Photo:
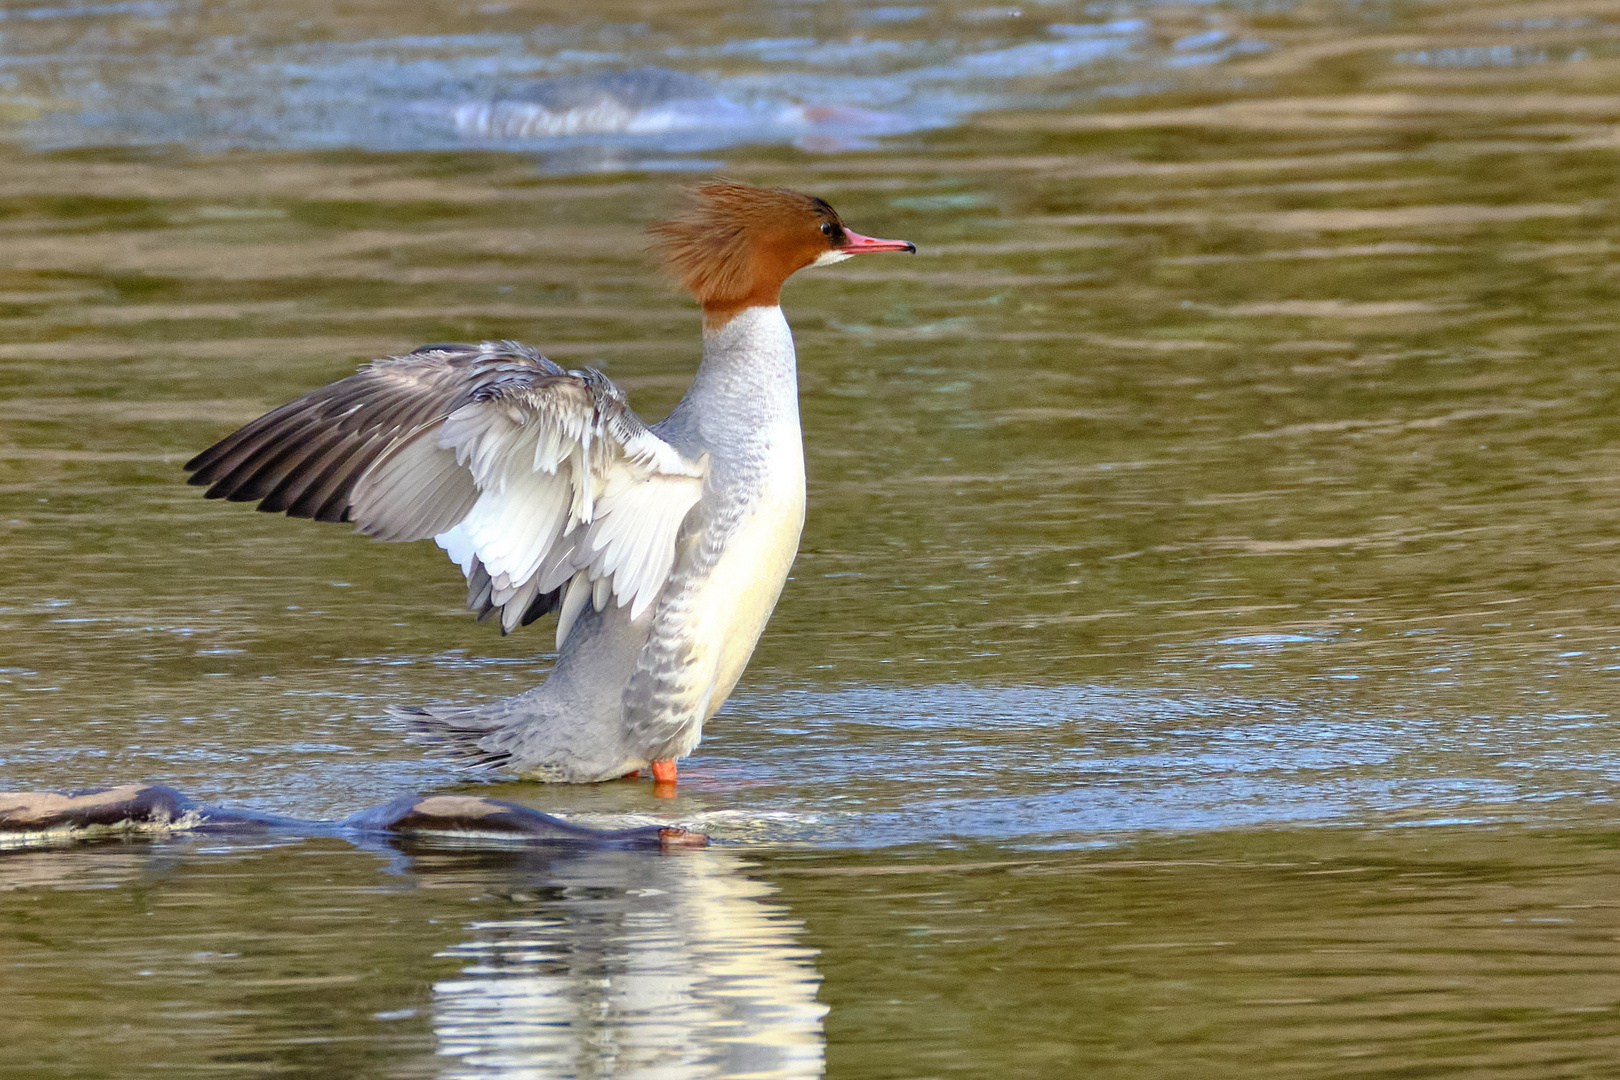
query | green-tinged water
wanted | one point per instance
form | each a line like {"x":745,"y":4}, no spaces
{"x":1201,"y":654}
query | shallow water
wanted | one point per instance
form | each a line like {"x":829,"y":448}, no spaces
{"x":1201,"y":652}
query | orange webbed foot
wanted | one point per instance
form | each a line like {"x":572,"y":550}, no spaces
{"x":664,"y":779}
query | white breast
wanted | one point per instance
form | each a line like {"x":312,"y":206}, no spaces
{"x":742,"y":413}
{"x":732,"y":606}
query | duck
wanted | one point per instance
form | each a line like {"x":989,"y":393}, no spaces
{"x":661,"y":548}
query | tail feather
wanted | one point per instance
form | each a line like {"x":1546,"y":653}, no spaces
{"x":525,"y":737}
{"x":455,"y":732}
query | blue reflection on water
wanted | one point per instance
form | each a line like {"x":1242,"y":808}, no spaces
{"x":1075,"y":765}
{"x":603,"y":88}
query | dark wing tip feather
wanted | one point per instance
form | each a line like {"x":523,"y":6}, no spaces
{"x":543,"y":604}
{"x":229,"y":490}
{"x":481,"y":598}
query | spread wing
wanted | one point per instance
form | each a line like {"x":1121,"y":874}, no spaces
{"x":540,"y":482}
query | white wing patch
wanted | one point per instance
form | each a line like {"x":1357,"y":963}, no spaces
{"x":546,"y":485}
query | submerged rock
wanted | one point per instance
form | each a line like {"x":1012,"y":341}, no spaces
{"x":36,"y":818}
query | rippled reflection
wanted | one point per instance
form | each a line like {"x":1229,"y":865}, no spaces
{"x":630,"y":966}
{"x":512,"y":961}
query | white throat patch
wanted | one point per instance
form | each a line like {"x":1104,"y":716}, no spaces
{"x":830,"y":256}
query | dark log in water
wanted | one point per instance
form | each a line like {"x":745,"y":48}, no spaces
{"x":30,"y":818}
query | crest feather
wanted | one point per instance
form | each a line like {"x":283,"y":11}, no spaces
{"x":711,"y":246}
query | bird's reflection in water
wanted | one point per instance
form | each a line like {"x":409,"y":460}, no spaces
{"x":573,"y":960}
{"x":626,"y":964}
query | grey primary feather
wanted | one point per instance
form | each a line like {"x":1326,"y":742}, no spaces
{"x":304,"y":458}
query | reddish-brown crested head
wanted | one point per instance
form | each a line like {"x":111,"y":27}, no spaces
{"x":736,"y":244}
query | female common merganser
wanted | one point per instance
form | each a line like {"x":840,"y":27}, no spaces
{"x":662,"y":549}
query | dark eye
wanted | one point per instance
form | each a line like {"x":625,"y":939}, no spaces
{"x":827,"y":228}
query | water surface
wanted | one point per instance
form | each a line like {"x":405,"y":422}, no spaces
{"x":1201,"y":652}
